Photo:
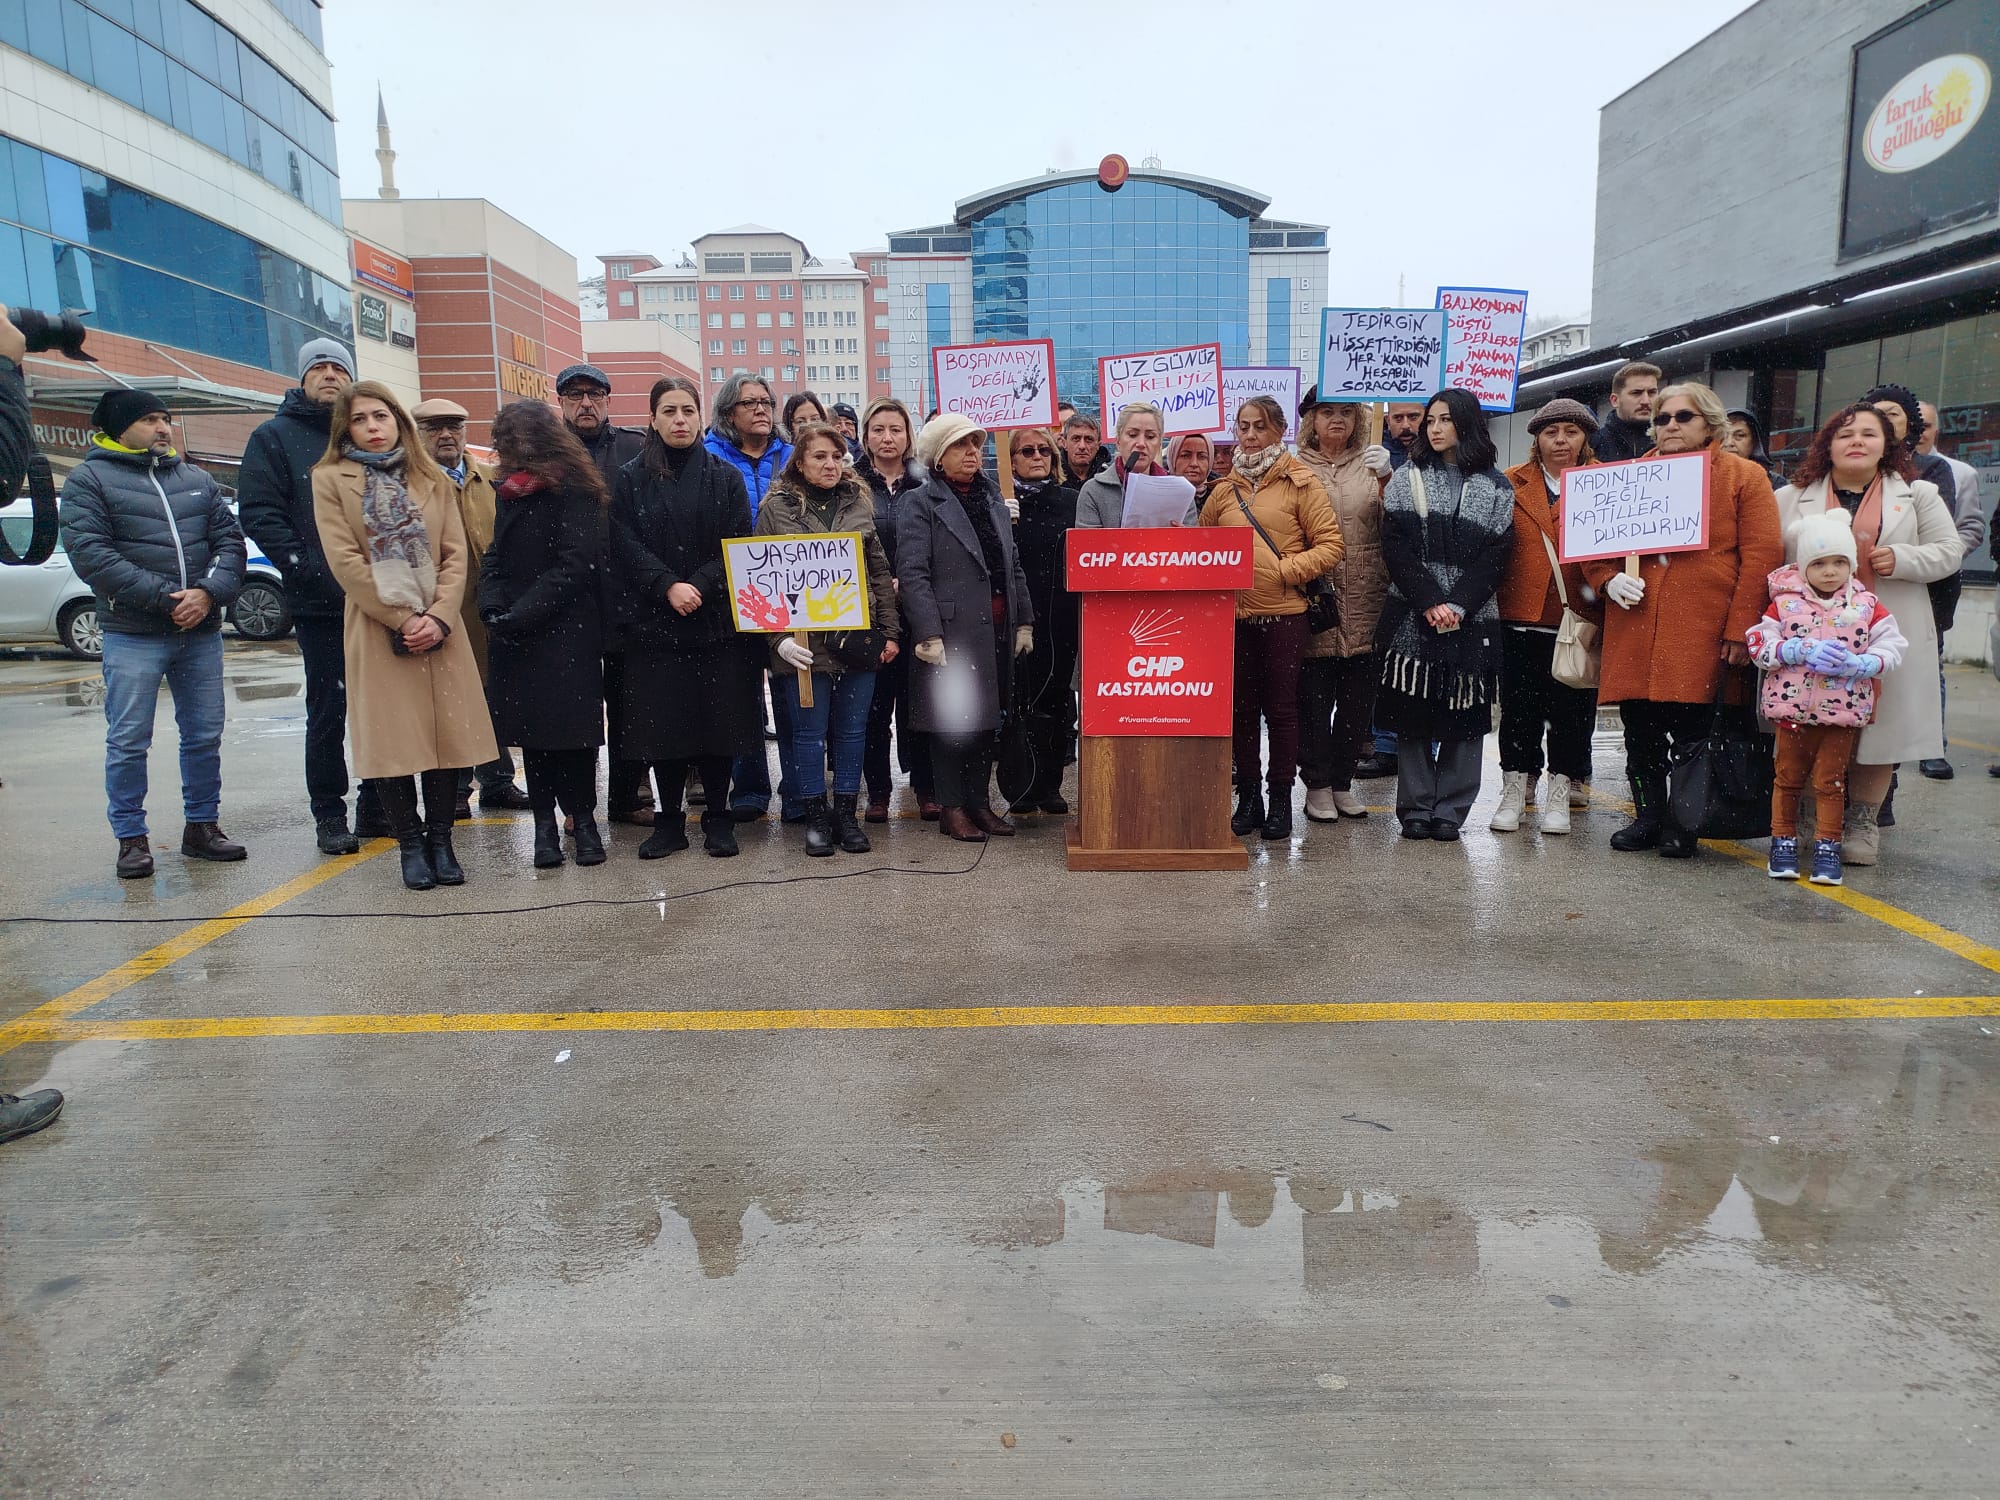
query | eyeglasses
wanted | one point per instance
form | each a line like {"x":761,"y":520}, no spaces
{"x":585,"y":398}
{"x":756,"y":404}
{"x":445,"y":424}
{"x":1675,"y":418}
{"x":1034,"y":453}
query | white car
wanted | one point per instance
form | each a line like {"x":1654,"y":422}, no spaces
{"x":49,"y":602}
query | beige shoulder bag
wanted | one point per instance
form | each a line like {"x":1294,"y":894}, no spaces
{"x":1578,"y":654}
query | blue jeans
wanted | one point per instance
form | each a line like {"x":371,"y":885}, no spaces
{"x":191,"y":664}
{"x":750,"y":776}
{"x":838,"y":717}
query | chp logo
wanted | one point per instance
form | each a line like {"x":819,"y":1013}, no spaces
{"x":1929,"y":111}
{"x":1151,"y":629}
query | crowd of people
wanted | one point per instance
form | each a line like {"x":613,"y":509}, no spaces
{"x":573,"y":602}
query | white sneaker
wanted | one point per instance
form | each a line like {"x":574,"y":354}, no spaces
{"x":1534,"y":788}
{"x":1513,"y":802}
{"x":1555,"y":813}
{"x":1349,"y":805}
{"x":1321,"y":805}
{"x":1579,"y":794}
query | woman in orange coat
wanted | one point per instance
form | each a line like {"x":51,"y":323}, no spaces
{"x":1682,"y":620}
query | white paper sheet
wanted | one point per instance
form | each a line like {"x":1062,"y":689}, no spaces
{"x":1156,"y":500}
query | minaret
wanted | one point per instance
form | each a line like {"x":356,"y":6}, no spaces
{"x":385,"y":154}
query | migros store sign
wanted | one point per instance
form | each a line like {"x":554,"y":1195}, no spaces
{"x":1929,"y":110}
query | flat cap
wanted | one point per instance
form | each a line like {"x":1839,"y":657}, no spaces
{"x":575,"y":373}
{"x":436,"y":407}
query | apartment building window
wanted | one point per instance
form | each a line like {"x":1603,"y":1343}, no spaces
{"x":715,"y":320}
{"x":625,"y":299}
{"x":763,"y":320}
{"x":739,"y":346}
{"x":881,"y":294}
{"x":715,"y":294}
{"x":763,"y":346}
{"x":785,"y":292}
{"x":784,"y":320}
{"x":791,"y":372}
{"x":882,"y":321}
{"x":769,"y":373}
{"x":878,"y":268}
{"x":881,"y":376}
{"x":791,"y":346}
{"x":715,"y":346}
{"x":716,"y":372}
{"x":881,"y":349}
{"x":736,"y":320}
{"x":736,"y":291}
{"x":763,"y":291}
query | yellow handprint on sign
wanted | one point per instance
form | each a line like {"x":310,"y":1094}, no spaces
{"x":826,"y":607}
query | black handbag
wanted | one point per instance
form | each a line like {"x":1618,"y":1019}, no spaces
{"x":856,"y":650}
{"x":1322,"y":604}
{"x":1719,"y":787}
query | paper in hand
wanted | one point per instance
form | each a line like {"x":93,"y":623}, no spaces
{"x":1156,"y":500}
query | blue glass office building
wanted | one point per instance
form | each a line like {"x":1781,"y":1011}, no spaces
{"x":219,"y":236}
{"x":1165,"y":260}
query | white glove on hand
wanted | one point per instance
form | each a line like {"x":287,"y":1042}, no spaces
{"x":792,"y":652}
{"x":931,"y":652}
{"x":1013,"y":505}
{"x":1375,"y":459}
{"x":1624,"y":590}
{"x":1024,"y":639}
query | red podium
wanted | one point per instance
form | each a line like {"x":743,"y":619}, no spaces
{"x":1158,"y":669}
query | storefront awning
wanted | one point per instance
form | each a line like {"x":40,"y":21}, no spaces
{"x":184,"y":395}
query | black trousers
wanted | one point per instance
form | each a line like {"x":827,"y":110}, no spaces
{"x":671,"y":777}
{"x":324,"y":655}
{"x":1336,"y":703}
{"x":399,"y":802}
{"x":963,"y":764}
{"x":1651,"y":732}
{"x":568,"y":777}
{"x":625,"y":788}
{"x":913,"y":748}
{"x":1533,"y":703}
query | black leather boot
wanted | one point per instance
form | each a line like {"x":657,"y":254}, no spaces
{"x":1278,"y":820}
{"x":589,"y":842}
{"x":441,"y":795}
{"x":548,"y":840}
{"x":1649,"y":802}
{"x":819,"y":828}
{"x":718,"y":834}
{"x":418,"y":873}
{"x":846,"y":827}
{"x":1249,"y":817}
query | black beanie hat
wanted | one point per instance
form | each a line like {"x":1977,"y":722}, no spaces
{"x":1906,"y":398}
{"x":118,"y":408}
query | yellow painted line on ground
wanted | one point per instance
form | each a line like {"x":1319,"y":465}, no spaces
{"x":178,"y":947}
{"x":984,"y":1017}
{"x":1965,"y":744}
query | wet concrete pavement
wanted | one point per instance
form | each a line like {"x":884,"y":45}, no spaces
{"x":1404,"y":1257}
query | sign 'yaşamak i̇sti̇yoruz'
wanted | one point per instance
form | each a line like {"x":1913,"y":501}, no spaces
{"x":1185,"y":384}
{"x":1647,"y":506}
{"x":811,"y":582}
{"x":1000,"y":387}
{"x":1482,"y":345}
{"x":1380,"y":353}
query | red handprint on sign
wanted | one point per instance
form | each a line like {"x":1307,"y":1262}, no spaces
{"x":762,"y":613}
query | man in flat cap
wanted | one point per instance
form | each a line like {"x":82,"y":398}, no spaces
{"x":153,"y":537}
{"x":584,"y":392}
{"x":274,"y":493}
{"x":441,"y":427}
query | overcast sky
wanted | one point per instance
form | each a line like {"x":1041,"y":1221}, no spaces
{"x":1442,"y":141}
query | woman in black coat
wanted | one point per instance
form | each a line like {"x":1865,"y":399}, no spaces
{"x":692,"y":696}
{"x":891,"y":473}
{"x":966,"y":605}
{"x":541,"y":597}
{"x":1044,"y":696}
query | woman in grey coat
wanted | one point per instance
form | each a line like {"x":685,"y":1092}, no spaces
{"x":965,"y":603}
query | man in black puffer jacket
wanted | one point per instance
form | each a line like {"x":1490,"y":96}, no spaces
{"x":274,"y":491}
{"x":154,"y":538}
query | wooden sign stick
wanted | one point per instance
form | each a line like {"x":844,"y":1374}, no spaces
{"x":1631,"y":565}
{"x":805,"y":677}
{"x":1003,"y":447}
{"x":1378,"y":414}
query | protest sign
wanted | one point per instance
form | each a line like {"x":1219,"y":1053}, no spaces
{"x":1000,"y":387}
{"x":780,"y":584}
{"x":1380,"y":353}
{"x":1280,"y":381}
{"x":1482,"y":347}
{"x":1186,"y":385}
{"x":1646,"y":506}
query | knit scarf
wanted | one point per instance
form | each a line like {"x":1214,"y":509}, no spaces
{"x":1463,"y":514}
{"x":399,"y":545}
{"x":973,"y":501}
{"x":1254,"y":466}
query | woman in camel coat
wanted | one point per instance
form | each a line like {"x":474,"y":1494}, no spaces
{"x":389,"y":522}
{"x":1915,"y":540}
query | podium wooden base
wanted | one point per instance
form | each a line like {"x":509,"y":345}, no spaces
{"x":1153,"y":804}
